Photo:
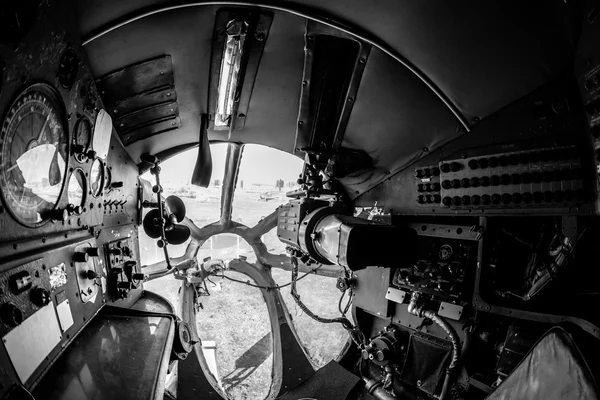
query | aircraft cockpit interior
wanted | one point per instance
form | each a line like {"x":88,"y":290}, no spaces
{"x":426,"y":230}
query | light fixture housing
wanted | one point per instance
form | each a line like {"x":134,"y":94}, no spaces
{"x":229,"y":77}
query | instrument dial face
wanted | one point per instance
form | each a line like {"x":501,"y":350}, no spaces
{"x":445,"y":252}
{"x":76,"y":189}
{"x":97,"y":178}
{"x":34,"y":146}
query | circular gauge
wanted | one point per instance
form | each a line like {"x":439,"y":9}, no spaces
{"x":97,"y":178}
{"x":107,"y":177}
{"x":445,"y":252}
{"x":76,"y":190}
{"x":34,"y":149}
{"x":82,"y":139}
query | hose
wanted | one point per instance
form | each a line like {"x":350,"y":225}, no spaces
{"x":416,"y":307}
{"x":375,"y":388}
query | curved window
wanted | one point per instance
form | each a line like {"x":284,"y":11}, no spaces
{"x":322,"y":342}
{"x":233,"y":324}
{"x":203,"y":205}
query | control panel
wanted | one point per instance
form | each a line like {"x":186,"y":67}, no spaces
{"x":444,"y":269}
{"x":542,"y":177}
{"x":428,"y":185}
{"x":124,"y":272}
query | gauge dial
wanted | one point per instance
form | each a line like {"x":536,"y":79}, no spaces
{"x":97,"y":178}
{"x":34,"y":146}
{"x":76,"y":189}
{"x":107,"y":177}
{"x":445,"y":252}
{"x":82,"y":139}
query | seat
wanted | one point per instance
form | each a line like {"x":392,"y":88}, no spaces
{"x":554,"y":369}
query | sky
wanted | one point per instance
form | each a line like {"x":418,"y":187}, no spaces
{"x":260,"y":164}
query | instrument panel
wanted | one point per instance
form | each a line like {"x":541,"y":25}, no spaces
{"x":69,"y":200}
{"x":533,"y":157}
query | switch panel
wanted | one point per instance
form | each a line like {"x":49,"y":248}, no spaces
{"x":87,"y":272}
{"x":545,"y":177}
{"x":124,"y":270}
{"x":428,"y":185}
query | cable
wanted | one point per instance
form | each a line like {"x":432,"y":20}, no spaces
{"x":356,"y":335}
{"x":222,"y":275}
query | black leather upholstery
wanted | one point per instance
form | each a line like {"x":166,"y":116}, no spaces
{"x":554,"y":369}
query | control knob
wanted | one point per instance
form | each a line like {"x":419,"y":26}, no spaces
{"x":80,"y":256}
{"x":40,"y":296}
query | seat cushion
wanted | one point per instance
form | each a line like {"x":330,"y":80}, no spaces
{"x":554,"y":369}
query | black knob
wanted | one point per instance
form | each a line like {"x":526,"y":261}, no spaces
{"x":516,"y":198}
{"x":474,"y":182}
{"x":483,"y":163}
{"x":455,"y":167}
{"x":485,"y":181}
{"x":92,"y":252}
{"x":503,"y":160}
{"x":138,"y":277}
{"x":465,"y":200}
{"x":426,"y":172}
{"x":74,"y":210}
{"x":91,"y":274}
{"x":117,"y":252}
{"x":558,"y":195}
{"x":537,"y":197}
{"x":421,"y":199}
{"x":505,"y":179}
{"x":445,"y":168}
{"x":568,"y":195}
{"x":506,"y":198}
{"x":536,"y":177}
{"x":11,"y":314}
{"x":524,"y":158}
{"x":419,"y":173}
{"x":473,"y":164}
{"x":464,"y":183}
{"x":435,"y":187}
{"x":515,"y":179}
{"x":40,"y":296}
{"x":548,"y":176}
{"x":475,"y":200}
{"x":435,"y":171}
{"x":124,"y":285}
{"x":437,"y":198}
{"x":486,"y":199}
{"x":80,"y":256}
{"x":420,"y":187}
{"x":495,"y":179}
{"x":527,"y":198}
{"x":60,"y":214}
{"x":526,"y":178}
{"x":456,"y":200}
{"x":496,"y":198}
{"x":493,"y":162}
{"x":548,"y":197}
{"x":455,"y":183}
{"x":428,"y":188}
{"x":91,"y":154}
{"x":446,"y":184}
{"x":446,"y":201}
{"x":513,"y":159}
{"x":428,"y":199}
